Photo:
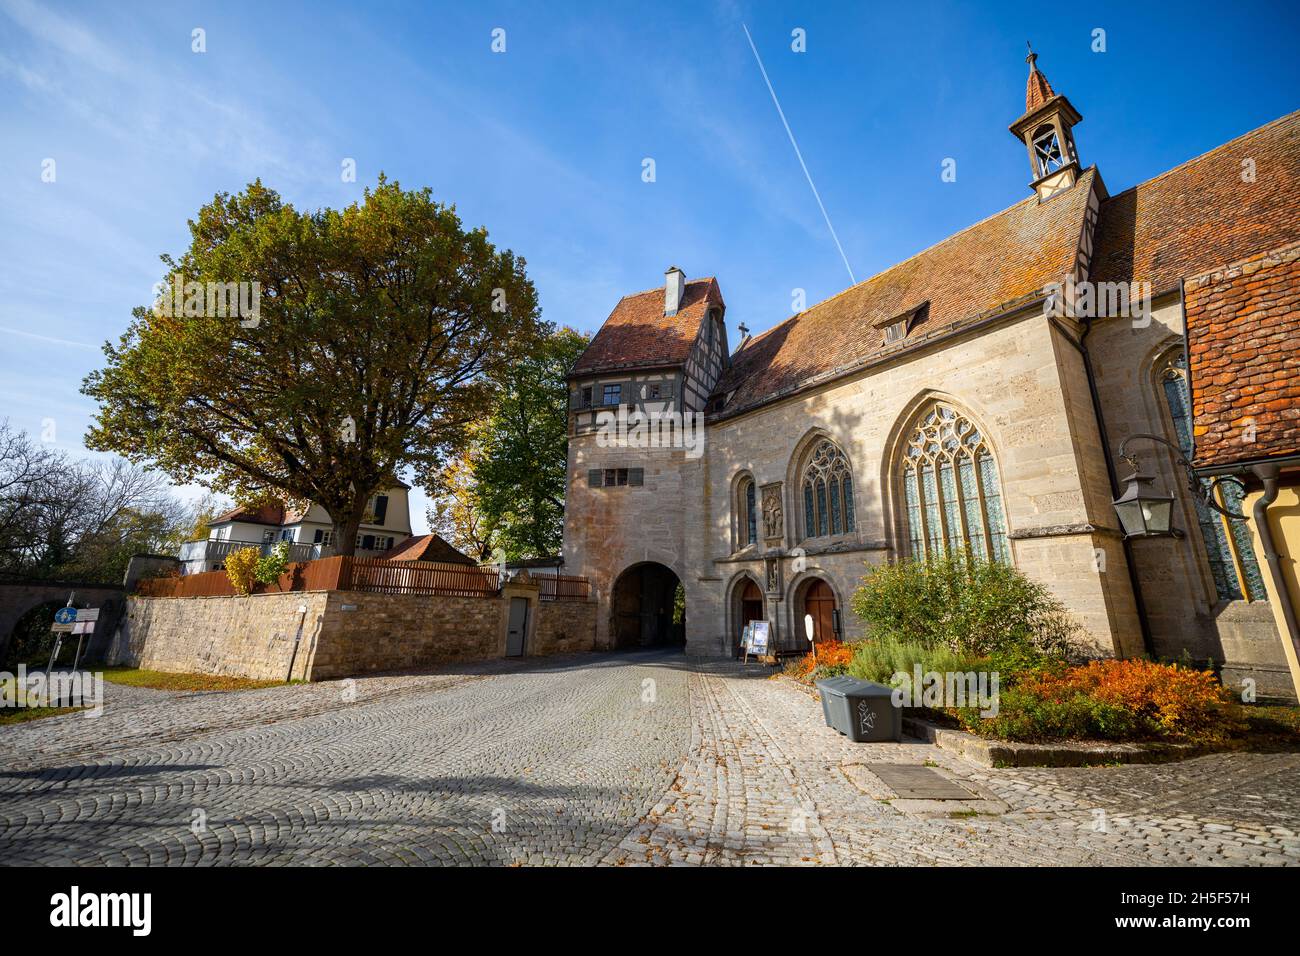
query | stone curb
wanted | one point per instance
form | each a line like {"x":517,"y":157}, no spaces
{"x":1005,"y":753}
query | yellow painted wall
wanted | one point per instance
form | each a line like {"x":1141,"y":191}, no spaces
{"x":1284,"y":520}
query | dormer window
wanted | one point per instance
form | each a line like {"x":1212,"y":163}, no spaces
{"x":1047,"y":151}
{"x":896,"y":327}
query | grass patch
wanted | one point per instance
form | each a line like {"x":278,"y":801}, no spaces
{"x":20,"y":714}
{"x":161,"y":680}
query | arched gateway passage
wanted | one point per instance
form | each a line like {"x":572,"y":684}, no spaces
{"x":642,"y":611}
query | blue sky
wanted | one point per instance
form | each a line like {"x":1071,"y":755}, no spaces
{"x":544,"y":143}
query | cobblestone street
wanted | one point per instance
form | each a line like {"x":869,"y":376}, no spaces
{"x":633,"y":759}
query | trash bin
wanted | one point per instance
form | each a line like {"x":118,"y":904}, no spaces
{"x":860,"y":710}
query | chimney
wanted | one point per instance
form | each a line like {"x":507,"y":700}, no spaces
{"x":674,"y":290}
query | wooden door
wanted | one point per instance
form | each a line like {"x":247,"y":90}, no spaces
{"x":819,"y":601}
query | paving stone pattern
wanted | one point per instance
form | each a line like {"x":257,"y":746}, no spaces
{"x":634,"y":759}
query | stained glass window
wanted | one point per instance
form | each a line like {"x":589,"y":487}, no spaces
{"x":827,"y":492}
{"x":751,"y":513}
{"x":951,"y":495}
{"x":1228,"y":545}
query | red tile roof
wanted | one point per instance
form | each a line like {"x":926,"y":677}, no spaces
{"x":1243,"y":323}
{"x":1202,"y":213}
{"x":426,"y":547}
{"x":637,"y":333}
{"x":275,"y":514}
{"x":1004,"y":259}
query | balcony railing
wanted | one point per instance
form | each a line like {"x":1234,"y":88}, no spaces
{"x":216,"y":550}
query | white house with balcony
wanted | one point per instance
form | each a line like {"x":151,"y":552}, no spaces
{"x":310,"y":533}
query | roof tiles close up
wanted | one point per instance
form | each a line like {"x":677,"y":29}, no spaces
{"x":1243,"y":322}
{"x":1003,"y":259}
{"x":1233,"y":202}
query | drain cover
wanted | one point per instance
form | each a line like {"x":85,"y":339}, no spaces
{"x":912,"y":782}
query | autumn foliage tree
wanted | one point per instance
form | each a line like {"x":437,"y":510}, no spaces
{"x":506,"y":488}
{"x":380,"y":331}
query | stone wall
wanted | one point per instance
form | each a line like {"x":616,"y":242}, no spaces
{"x":1182,"y":603}
{"x":234,"y":636}
{"x":562,"y":627}
{"x":343,"y":633}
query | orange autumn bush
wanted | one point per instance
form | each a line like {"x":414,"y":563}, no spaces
{"x":1110,"y":700}
{"x":1173,"y":701}
{"x":826,"y":659}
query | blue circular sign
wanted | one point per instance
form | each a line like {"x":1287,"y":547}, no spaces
{"x":65,"y":615}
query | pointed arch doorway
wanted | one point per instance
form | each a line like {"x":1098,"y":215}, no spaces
{"x":819,"y":604}
{"x":749,"y":607}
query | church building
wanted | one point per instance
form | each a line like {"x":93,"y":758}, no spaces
{"x":971,"y":398}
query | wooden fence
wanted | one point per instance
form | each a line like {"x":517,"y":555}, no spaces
{"x":418,"y":577}
{"x":562,"y":587}
{"x":342,"y":573}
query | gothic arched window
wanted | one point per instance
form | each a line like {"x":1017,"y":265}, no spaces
{"x":950,"y":489}
{"x":827,"y":488}
{"x":1227,"y":543}
{"x":748,"y":513}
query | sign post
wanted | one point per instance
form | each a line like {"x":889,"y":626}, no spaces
{"x":86,"y":618}
{"x":64,"y":619}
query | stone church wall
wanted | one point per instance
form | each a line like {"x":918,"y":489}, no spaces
{"x":1182,"y":604}
{"x":1010,"y":379}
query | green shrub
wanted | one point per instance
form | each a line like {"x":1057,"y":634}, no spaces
{"x":1027,"y":717}
{"x":271,"y":566}
{"x":879,"y":659}
{"x":969,"y":606}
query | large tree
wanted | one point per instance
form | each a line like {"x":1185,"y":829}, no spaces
{"x":380,"y":330}
{"x":507,"y":489}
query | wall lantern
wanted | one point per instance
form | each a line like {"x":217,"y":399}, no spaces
{"x":1145,"y":511}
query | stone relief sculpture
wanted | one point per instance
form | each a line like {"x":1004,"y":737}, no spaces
{"x":773,"y":516}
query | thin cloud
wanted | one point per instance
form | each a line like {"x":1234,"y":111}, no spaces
{"x":48,"y":339}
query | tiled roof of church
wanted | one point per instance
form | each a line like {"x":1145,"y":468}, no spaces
{"x":1004,"y":259}
{"x":1243,"y":320}
{"x":637,"y":333}
{"x":1203,"y":213}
